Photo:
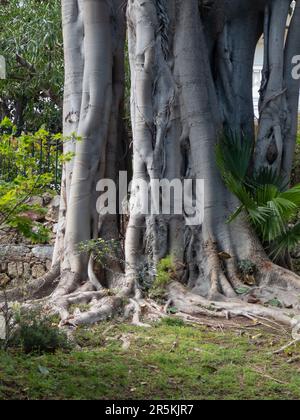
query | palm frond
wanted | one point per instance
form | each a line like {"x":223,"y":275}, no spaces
{"x":286,"y":208}
{"x":288,"y":241}
{"x":265,"y":193}
{"x":293,"y":195}
{"x":268,"y":176}
{"x":234,"y":155}
{"x":273,"y":226}
{"x":259,"y":216}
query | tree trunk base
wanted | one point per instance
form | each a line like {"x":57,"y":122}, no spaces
{"x":275,"y":283}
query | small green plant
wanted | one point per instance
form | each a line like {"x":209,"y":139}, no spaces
{"x":247,"y":267}
{"x":247,"y":270}
{"x":103,"y":251}
{"x":164,"y":273}
{"x":36,"y":333}
{"x":264,"y":197}
{"x":275,"y":303}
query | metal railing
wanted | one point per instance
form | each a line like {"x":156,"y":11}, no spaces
{"x":46,"y":158}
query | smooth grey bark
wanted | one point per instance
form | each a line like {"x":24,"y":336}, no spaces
{"x":278,"y":107}
{"x":72,"y":19}
{"x":292,"y":85}
{"x":185,"y":90}
{"x":94,"y":51}
{"x":232,"y":66}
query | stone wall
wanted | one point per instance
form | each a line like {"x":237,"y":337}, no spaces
{"x":23,"y":262}
{"x":19,"y":259}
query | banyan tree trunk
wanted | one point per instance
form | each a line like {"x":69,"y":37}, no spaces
{"x":191,"y":67}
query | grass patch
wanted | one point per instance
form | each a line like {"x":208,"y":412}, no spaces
{"x":170,"y":361}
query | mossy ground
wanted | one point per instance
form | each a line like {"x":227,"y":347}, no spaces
{"x":169,"y":361}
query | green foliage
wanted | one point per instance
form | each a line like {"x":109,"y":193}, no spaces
{"x":264,"y":196}
{"x":275,"y":303}
{"x":172,"y":322}
{"x":103,"y":250}
{"x":30,"y":166}
{"x":164,"y":271}
{"x":30,"y":154}
{"x":36,"y":333}
{"x":247,"y":267}
{"x":31,"y":42}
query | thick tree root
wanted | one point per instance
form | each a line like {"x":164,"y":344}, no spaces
{"x":80,"y":304}
{"x":187,"y":302}
{"x":34,"y":289}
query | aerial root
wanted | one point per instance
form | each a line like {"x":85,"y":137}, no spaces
{"x":220,"y":285}
{"x":100,"y":306}
{"x":79,"y":303}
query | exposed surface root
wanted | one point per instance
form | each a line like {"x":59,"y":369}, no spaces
{"x":69,"y":283}
{"x":35,"y":289}
{"x":80,"y":304}
{"x":102,"y":310}
{"x":190,"y":303}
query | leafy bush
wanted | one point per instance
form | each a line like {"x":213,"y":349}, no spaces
{"x":30,"y":165}
{"x":36,"y":333}
{"x":164,"y":274}
{"x":29,"y":154}
{"x":264,"y":196}
{"x":103,"y":251}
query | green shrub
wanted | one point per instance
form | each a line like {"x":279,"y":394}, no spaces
{"x":164,"y":273}
{"x":30,"y":166}
{"x":36,"y":333}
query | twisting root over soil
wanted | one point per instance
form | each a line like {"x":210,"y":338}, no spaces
{"x":35,"y":289}
{"x":190,"y":303}
{"x":86,"y":306}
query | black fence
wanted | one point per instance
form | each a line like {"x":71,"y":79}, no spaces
{"x":44,"y":154}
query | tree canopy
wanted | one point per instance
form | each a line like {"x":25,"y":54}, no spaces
{"x":31,"y":42}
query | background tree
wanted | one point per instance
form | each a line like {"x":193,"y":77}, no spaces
{"x":31,"y":42}
{"x":191,"y":80}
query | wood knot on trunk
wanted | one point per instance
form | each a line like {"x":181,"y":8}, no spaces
{"x":272,"y":152}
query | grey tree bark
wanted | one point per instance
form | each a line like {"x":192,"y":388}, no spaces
{"x":279,"y":92}
{"x":191,"y":78}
